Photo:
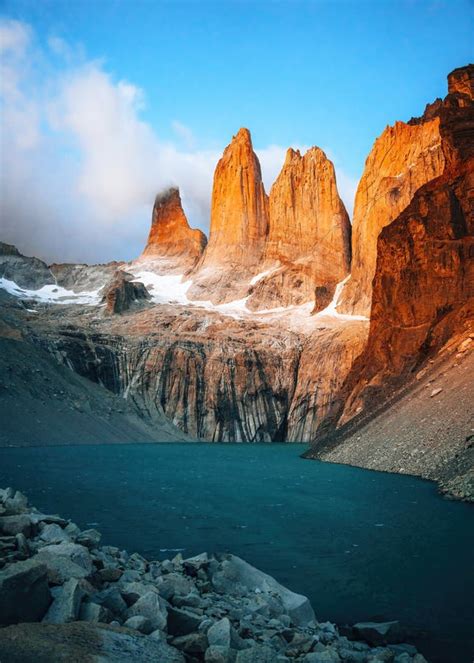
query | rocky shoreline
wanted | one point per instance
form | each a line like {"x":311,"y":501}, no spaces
{"x":63,"y":597}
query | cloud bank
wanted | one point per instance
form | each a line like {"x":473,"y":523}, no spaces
{"x":80,"y":168}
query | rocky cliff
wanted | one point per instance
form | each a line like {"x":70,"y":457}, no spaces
{"x":238,"y":228}
{"x":308,"y":243}
{"x":423,"y":289}
{"x":170,"y":236}
{"x":403,"y":158}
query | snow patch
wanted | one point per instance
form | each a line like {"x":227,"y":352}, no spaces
{"x":262,"y":275}
{"x":51,"y":294}
{"x":164,"y":288}
{"x":331,"y":308}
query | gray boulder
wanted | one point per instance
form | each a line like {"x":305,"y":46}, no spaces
{"x":152,"y":606}
{"x":234,"y":570}
{"x":182,"y":622}
{"x":132,"y":591}
{"x":193,"y":644}
{"x":379,"y":633}
{"x":173,"y":584}
{"x":53,"y":533}
{"x":220,"y":633}
{"x":24,"y":592}
{"x":66,"y":605}
{"x":89,"y":538}
{"x":112,"y":600}
{"x":65,"y":561}
{"x":139,"y":623}
{"x":17,"y":524}
{"x":93,"y":612}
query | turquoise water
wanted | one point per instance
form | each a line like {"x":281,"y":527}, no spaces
{"x":360,"y":544}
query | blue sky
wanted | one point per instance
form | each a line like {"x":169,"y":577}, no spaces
{"x":296,"y":73}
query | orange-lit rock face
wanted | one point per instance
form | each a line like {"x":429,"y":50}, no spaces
{"x":170,"y":235}
{"x":308,"y":241}
{"x":239,"y":224}
{"x":461,"y":81}
{"x":403,"y":158}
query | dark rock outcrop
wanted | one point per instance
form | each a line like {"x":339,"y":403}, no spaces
{"x":122,"y":293}
{"x":24,"y":271}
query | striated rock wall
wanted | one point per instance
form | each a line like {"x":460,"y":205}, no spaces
{"x":170,"y":235}
{"x":308,"y":243}
{"x":213,"y":377}
{"x":239,"y":225}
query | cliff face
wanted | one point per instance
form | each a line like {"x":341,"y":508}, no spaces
{"x":170,"y":235}
{"x":423,"y":290}
{"x":308,"y":243}
{"x":239,"y":225}
{"x":403,"y":158}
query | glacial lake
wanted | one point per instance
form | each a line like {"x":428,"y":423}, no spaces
{"x":359,"y":544}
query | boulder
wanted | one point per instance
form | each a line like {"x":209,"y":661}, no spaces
{"x":24,"y":592}
{"x":234,"y":570}
{"x":153,"y":607}
{"x":112,"y":600}
{"x":93,"y":612}
{"x":89,"y":538}
{"x":132,"y":591}
{"x":66,"y":605}
{"x":172,"y":584}
{"x":139,"y":623}
{"x":379,"y":633}
{"x":17,"y":524}
{"x":193,"y":644}
{"x":65,"y":561}
{"x":53,"y":533}
{"x":182,"y":622}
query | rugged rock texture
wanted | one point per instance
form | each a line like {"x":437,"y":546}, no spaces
{"x":403,"y":158}
{"x":423,"y":287}
{"x":122,"y":293}
{"x":32,"y":381}
{"x":423,"y":290}
{"x":425,"y":430}
{"x":83,"y":277}
{"x":308,"y":243}
{"x":214,"y":377}
{"x":25,"y":272}
{"x":325,"y":362}
{"x":212,"y":607}
{"x":170,"y":236}
{"x":239,"y":225}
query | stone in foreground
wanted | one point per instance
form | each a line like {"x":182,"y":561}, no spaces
{"x":24,"y":592}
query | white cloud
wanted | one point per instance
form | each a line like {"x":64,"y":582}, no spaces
{"x":80,"y":168}
{"x":14,"y":36}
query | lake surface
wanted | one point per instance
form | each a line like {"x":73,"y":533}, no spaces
{"x":360,"y":544}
